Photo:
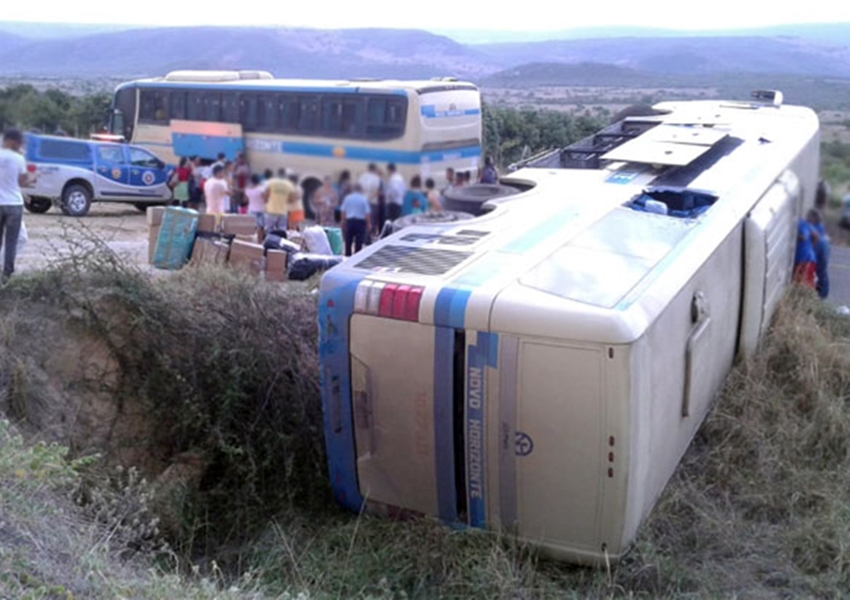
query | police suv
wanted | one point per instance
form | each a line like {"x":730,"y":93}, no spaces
{"x":74,"y":173}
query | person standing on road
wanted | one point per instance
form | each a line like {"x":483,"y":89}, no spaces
{"x":822,"y":251}
{"x":804,"y":257}
{"x":355,"y":219}
{"x":432,"y":196}
{"x":256,"y":206}
{"x":278,"y":196}
{"x":395,"y":193}
{"x":216,"y":192}
{"x":414,"y":200}
{"x":13,"y":175}
{"x":370,"y":186}
{"x":489,"y":174}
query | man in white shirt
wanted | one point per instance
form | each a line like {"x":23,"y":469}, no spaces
{"x":370,"y":182}
{"x":13,"y":175}
{"x":395,"y":193}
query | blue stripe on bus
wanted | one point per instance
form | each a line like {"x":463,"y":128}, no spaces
{"x":193,"y":143}
{"x":336,"y":305}
{"x":534,"y":236}
{"x":429,"y":111}
{"x":482,"y":355}
{"x":450,"y":308}
{"x":247,"y":89}
{"x":444,"y":448}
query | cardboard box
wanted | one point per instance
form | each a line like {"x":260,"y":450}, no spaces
{"x":276,"y":261}
{"x":207,"y":223}
{"x":207,"y":251}
{"x":154,"y":215}
{"x":153,"y":234}
{"x":239,"y":224}
{"x":244,"y":255}
{"x":251,"y":239}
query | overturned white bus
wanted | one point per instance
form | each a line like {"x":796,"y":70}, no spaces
{"x":542,"y":368}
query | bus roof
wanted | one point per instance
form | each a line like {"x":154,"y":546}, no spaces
{"x":257,"y":80}
{"x":576,"y":236}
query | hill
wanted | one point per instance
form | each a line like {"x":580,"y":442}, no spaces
{"x":285,"y":52}
{"x":684,"y":55}
{"x":9,"y":42}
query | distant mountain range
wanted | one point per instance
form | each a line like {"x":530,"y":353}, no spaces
{"x":638,"y":57}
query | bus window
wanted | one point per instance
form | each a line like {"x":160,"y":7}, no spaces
{"x":342,"y":116}
{"x":212,"y":106}
{"x":308,"y":123}
{"x":267,"y":113}
{"x":248,"y":112}
{"x":177,"y":105}
{"x":288,"y":112}
{"x":229,"y":108}
{"x":385,"y":117}
{"x":195,"y":106}
{"x":153,"y":107}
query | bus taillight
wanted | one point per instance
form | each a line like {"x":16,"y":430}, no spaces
{"x":388,"y":300}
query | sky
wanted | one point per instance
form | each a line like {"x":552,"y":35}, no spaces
{"x":444,"y":15}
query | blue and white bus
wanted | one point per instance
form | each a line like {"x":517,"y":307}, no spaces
{"x":315,"y":128}
{"x":541,"y":368}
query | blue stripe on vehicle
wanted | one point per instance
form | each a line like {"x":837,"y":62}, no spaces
{"x":534,"y":236}
{"x":206,"y":146}
{"x":450,"y":307}
{"x":479,"y":357}
{"x":247,"y":89}
{"x":429,"y":111}
{"x":188,"y":143}
{"x":336,"y":304}
{"x":444,"y":424}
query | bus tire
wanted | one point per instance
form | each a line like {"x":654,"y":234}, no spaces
{"x":429,"y":218}
{"x":37,"y":204}
{"x":76,"y":199}
{"x":470,"y":198}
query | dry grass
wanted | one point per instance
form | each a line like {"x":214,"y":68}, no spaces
{"x":224,"y":368}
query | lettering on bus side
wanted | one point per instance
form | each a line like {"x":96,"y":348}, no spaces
{"x":476,"y":396}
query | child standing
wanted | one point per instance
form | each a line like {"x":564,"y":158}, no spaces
{"x":822,"y":251}
{"x":804,"y":258}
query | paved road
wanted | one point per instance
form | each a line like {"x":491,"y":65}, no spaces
{"x":839,"y":275}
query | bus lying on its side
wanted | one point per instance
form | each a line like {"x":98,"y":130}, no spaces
{"x":542,"y":368}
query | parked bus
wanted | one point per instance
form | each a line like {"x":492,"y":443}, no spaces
{"x":541,"y":368}
{"x":316,"y":128}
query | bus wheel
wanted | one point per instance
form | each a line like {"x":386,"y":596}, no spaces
{"x":310,"y":185}
{"x":469,"y":198}
{"x":37,"y":204}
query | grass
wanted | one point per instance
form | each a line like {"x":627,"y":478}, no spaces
{"x":219,"y":370}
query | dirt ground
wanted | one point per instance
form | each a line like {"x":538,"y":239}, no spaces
{"x":51,"y":235}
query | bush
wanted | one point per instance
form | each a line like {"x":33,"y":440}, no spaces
{"x":219,"y":369}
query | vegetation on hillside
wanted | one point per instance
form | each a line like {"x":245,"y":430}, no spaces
{"x":216,"y":370}
{"x":22,"y":105}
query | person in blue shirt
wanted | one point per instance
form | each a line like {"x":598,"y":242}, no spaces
{"x":804,"y":257}
{"x":822,"y":251}
{"x":355,"y":211}
{"x":414,"y":199}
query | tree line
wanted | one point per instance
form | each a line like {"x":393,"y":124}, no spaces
{"x":509,"y":133}
{"x":24,"y":106}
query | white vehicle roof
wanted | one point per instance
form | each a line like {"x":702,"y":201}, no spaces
{"x":570,"y":246}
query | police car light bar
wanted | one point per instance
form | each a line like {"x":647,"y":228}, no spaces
{"x":388,"y":300}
